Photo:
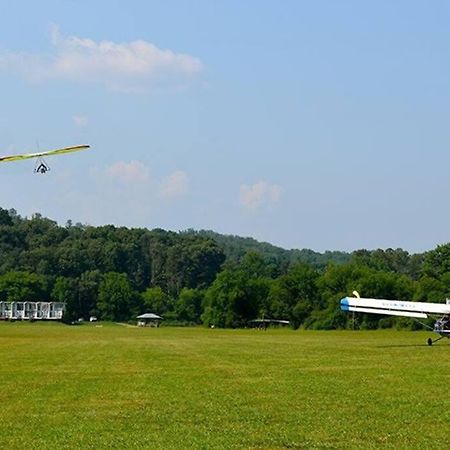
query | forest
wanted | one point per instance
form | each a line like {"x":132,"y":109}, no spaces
{"x":205,"y":278}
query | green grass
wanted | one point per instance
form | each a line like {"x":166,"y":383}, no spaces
{"x":119,"y":387}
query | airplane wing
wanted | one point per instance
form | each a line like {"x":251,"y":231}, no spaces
{"x":418,"y":310}
{"x":58,"y":151}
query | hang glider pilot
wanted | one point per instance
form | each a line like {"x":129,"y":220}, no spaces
{"x":42,"y":168}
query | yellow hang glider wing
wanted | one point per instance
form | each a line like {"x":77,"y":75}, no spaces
{"x":58,"y":151}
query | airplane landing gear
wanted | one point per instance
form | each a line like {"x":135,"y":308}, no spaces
{"x":431,"y":342}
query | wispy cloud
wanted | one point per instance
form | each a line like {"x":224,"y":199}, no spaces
{"x":131,"y":66}
{"x":174,"y":185}
{"x":128,"y":172}
{"x":80,"y":121}
{"x":259,"y":194}
{"x":135,"y":175}
{"x":127,"y":190}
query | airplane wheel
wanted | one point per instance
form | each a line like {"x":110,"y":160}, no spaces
{"x":430,"y":341}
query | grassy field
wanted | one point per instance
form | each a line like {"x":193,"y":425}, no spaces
{"x":113,"y":386}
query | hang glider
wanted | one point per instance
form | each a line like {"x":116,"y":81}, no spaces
{"x":41,"y":165}
{"x":416,"y":310}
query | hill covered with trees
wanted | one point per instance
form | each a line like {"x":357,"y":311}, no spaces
{"x":202,"y":277}
{"x":235,"y":248}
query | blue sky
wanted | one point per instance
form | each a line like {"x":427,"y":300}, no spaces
{"x":320,"y":125}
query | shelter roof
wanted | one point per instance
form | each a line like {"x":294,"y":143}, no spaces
{"x":270,"y":321}
{"x":149,"y":316}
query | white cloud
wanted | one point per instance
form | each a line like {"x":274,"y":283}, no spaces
{"x":174,"y":185}
{"x":134,"y":66}
{"x":128,"y":172}
{"x":80,"y":121}
{"x":259,"y":194}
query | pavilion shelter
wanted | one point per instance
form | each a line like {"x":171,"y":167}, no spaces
{"x":149,"y":320}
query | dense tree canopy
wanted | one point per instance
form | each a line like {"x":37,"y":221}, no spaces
{"x":204,"y":277}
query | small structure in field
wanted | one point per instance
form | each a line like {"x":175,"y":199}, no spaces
{"x":149,"y":320}
{"x":262,"y":324}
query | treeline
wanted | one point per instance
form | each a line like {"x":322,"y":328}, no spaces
{"x":192,"y":277}
{"x":235,"y":248}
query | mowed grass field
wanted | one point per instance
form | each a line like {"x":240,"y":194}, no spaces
{"x":113,"y":386}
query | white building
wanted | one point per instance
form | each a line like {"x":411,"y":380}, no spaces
{"x":32,"y":310}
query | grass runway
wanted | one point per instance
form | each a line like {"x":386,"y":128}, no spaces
{"x":113,"y":387}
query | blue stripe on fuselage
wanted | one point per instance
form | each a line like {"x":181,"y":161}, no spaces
{"x":344,"y":304}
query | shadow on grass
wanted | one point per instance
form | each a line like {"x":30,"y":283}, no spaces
{"x":413,"y":345}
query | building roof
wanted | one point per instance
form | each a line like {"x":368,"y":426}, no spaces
{"x":285,"y":322}
{"x":149,"y":316}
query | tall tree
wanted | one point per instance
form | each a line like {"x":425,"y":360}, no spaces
{"x":117,"y":300}
{"x":188,"y":307}
{"x":22,"y":286}
{"x":156,"y":300}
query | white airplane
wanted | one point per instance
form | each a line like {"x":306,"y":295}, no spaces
{"x":417,"y":310}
